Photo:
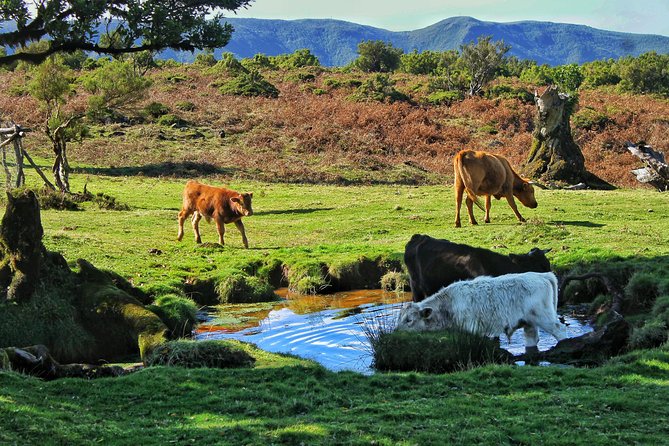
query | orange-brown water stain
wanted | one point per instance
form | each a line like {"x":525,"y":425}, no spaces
{"x":306,"y":304}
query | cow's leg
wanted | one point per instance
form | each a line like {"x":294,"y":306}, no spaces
{"x":459,"y":190}
{"x":240,"y":226}
{"x":220,"y":227}
{"x":531,"y":339}
{"x":183,"y":215}
{"x":195,"y":221}
{"x":557,"y":329}
{"x":470,"y":210}
{"x":487,"y":208}
{"x":512,"y":203}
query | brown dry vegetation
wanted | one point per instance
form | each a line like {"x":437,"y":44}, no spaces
{"x":307,"y":137}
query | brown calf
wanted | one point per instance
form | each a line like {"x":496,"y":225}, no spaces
{"x":481,"y":173}
{"x":221,"y":204}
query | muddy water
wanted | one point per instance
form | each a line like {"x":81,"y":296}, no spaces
{"x":331,"y":329}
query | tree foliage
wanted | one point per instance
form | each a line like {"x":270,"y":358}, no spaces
{"x":139,"y":24}
{"x":377,"y":56}
{"x":481,"y":61}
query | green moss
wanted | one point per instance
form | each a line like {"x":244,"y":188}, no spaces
{"x":178,"y":313}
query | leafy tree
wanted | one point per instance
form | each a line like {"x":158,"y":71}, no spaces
{"x":377,"y":56}
{"x":600,"y":72}
{"x":51,"y":84}
{"x":648,"y":73}
{"x":73,"y":25}
{"x":568,"y":77}
{"x":425,"y":62}
{"x":259,"y":62}
{"x":481,"y":61}
{"x":114,"y":85}
{"x":537,"y":75}
{"x":514,"y":67}
{"x":300,"y":58}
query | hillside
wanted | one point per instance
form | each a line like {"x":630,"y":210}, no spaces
{"x":313,"y":132}
{"x":335,"y":42}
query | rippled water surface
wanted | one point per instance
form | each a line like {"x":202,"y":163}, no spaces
{"x":330,"y":329}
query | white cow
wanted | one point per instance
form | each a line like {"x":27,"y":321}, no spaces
{"x":491,"y":306}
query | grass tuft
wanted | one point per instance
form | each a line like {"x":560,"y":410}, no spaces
{"x":196,"y":354}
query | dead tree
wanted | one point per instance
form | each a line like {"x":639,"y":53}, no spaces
{"x":656,"y":172}
{"x":13,"y":134}
{"x":554,"y":156}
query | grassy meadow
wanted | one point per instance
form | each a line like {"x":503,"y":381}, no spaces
{"x":337,"y":183}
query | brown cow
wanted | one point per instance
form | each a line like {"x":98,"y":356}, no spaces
{"x":481,"y":173}
{"x":221,"y":204}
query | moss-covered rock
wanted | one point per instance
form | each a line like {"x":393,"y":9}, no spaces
{"x":118,"y":321}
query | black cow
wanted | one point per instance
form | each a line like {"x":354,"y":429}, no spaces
{"x":434,"y":263}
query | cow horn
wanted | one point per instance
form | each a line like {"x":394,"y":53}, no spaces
{"x":546,"y":251}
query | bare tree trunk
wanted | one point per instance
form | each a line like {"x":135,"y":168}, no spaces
{"x":554,"y":157}
{"x":61,"y":168}
{"x":656,"y":172}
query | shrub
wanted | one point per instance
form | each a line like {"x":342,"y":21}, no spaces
{"x":444,"y":97}
{"x":241,"y":288}
{"x":156,"y":109}
{"x":259,"y":62}
{"x":195,"y":354}
{"x":249,"y":84}
{"x":509,"y":92}
{"x":395,"y":281}
{"x":178,"y":313}
{"x":205,"y":59}
{"x":185,"y":106}
{"x":53,"y":199}
{"x":640,"y":292}
{"x":108,"y":202}
{"x":433,"y":352}
{"x":230,"y":65}
{"x":589,"y":119}
{"x":379,"y":88}
{"x":170,"y":120}
{"x":298,"y":59}
{"x":653,"y":334}
{"x":377,"y":57}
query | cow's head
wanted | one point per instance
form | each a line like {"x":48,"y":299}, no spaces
{"x":525,"y":194}
{"x":535,"y":260}
{"x":414,"y":317}
{"x":241,"y":204}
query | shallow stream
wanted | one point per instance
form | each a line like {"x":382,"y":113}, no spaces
{"x":331,"y":329}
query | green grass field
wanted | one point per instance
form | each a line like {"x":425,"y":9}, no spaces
{"x":286,"y":400}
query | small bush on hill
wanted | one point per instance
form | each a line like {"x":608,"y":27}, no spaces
{"x":185,"y":106}
{"x":197,"y":354}
{"x":444,"y":97}
{"x":377,"y":57}
{"x":378,"y":88}
{"x":589,"y":119}
{"x":205,"y":59}
{"x":156,"y":109}
{"x":509,"y":92}
{"x":259,"y":62}
{"x":300,"y":58}
{"x":249,"y":84}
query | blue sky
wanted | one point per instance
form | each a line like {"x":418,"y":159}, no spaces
{"x":636,"y":16}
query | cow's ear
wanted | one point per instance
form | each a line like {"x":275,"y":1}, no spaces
{"x":235,"y":199}
{"x":250,"y":194}
{"x":425,"y":313}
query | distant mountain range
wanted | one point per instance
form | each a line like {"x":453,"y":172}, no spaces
{"x":335,"y":42}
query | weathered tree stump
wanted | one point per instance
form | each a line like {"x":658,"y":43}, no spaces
{"x":21,"y":244}
{"x":656,"y":172}
{"x":554,"y":157}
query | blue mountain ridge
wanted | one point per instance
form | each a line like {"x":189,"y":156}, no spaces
{"x":335,"y":42}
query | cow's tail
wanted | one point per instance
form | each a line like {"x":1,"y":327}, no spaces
{"x":470,"y":194}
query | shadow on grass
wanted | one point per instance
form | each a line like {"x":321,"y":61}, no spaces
{"x":184,"y":169}
{"x":292,"y":211}
{"x":585,"y":224}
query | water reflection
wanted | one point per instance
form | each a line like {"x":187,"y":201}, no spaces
{"x":331,"y":329}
